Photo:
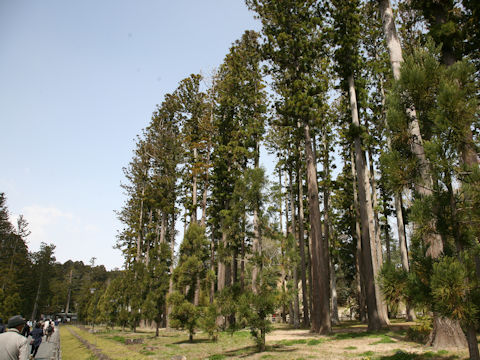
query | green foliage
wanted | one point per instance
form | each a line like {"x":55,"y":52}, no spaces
{"x":451,"y":290}
{"x":254,"y":308}
{"x":184,"y":314}
{"x":393,"y":284}
{"x":421,"y":330}
{"x":208,"y":321}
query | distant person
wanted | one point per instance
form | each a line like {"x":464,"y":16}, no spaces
{"x":50,"y":330}
{"x":26,"y":330}
{"x":2,"y":326}
{"x":14,"y":346}
{"x":37,"y":334}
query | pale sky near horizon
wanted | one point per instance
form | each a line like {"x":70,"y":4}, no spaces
{"x":78,"y":81}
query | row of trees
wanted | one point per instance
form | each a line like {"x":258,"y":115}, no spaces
{"x":365,"y":133}
{"x":33,"y":283}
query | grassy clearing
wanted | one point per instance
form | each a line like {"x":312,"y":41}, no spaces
{"x":72,"y":348}
{"x":285,"y":343}
{"x":112,"y":349}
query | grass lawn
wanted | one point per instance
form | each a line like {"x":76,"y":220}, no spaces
{"x":346,"y":342}
{"x":72,"y":348}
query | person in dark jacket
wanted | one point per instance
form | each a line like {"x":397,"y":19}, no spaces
{"x":26,"y":330}
{"x":2,"y":326}
{"x":37,"y":335}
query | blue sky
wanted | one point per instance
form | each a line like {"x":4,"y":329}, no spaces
{"x":78,"y":81}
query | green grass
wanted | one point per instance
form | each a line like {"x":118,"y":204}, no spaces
{"x":351,"y":348}
{"x":120,"y":339}
{"x":72,"y":348}
{"x":367,"y":353}
{"x":293,"y":342}
{"x":354,"y":335}
{"x":217,"y":357}
{"x":315,"y":341}
{"x":114,"y":349}
{"x":384,"y":340}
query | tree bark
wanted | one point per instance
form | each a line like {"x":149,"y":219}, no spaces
{"x":377,"y":255}
{"x":140,"y":226}
{"x":170,"y":283}
{"x":358,"y":235}
{"x":205,"y":191}
{"x":333,"y":286}
{"x":193,"y":216}
{"x":296,"y":306}
{"x":472,"y":343}
{"x":446,"y":333}
{"x":301,"y":236}
{"x":222,"y":265}
{"x":320,"y":280}
{"x":37,"y":297}
{"x":375,"y":320}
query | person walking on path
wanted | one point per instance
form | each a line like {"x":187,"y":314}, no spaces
{"x":26,"y":330}
{"x":14,"y":346}
{"x":48,"y":329}
{"x":37,"y":335}
{"x":2,"y":326}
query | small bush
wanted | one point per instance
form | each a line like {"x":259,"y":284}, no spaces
{"x":421,"y":330}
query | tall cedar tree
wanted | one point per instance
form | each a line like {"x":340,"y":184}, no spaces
{"x":293,"y":44}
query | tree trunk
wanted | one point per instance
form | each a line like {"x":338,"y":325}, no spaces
{"x":193,"y":216}
{"x":320,"y":280}
{"x":37,"y":297}
{"x":140,"y":227}
{"x":472,"y":343}
{"x":196,"y":296}
{"x":256,"y":248}
{"x":205,"y":191}
{"x":377,"y":256}
{"x":375,"y":321}
{"x":358,"y":235}
{"x":446,"y":333}
{"x":212,"y":269}
{"x":242,"y":261}
{"x":296,"y":307}
{"x":222,"y":265}
{"x":170,"y":283}
{"x":301,"y":236}
{"x":326,"y":217}
{"x":373,"y":184}
{"x":334,"y":303}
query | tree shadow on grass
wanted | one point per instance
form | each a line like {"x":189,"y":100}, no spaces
{"x":195,"y":341}
{"x":429,"y":355}
{"x":251,"y":350}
